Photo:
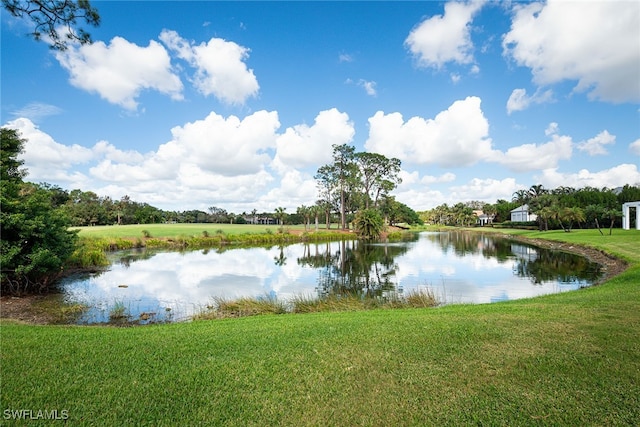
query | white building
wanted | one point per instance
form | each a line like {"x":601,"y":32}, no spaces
{"x":626,"y":217}
{"x":482,"y":218}
{"x":522,"y":214}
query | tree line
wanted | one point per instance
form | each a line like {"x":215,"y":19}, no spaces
{"x":353,"y":182}
{"x":562,"y":207}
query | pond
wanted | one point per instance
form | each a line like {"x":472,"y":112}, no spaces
{"x":458,"y":267}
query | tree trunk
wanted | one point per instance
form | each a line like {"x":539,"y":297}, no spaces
{"x":598,"y":225}
{"x":342,"y":216}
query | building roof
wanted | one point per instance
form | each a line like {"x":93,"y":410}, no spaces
{"x":523,"y":208}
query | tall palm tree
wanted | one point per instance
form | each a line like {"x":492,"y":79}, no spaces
{"x":544,"y":215}
{"x":612,"y":214}
{"x":520,"y":196}
{"x":280,"y":214}
{"x":573,"y":214}
{"x":315,"y":212}
{"x":536,"y":191}
{"x":305,"y":212}
{"x":557,"y":213}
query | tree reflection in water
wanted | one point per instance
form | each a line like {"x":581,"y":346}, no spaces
{"x":368,"y":270}
{"x":538,"y":264}
{"x":356,"y":268}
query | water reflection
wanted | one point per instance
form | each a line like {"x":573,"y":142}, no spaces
{"x":356,"y":268}
{"x":460,"y":267}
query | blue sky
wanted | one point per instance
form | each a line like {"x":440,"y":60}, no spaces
{"x":187,"y":105}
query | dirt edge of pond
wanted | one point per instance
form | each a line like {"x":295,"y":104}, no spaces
{"x":33,"y":309}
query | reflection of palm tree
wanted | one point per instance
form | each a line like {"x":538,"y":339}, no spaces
{"x":281,"y":259}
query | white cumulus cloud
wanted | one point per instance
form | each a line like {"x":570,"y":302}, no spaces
{"x":596,"y":145}
{"x":458,"y":136}
{"x":43,"y":155}
{"x":616,"y":176}
{"x":487,"y":190}
{"x":445,"y":177}
{"x":220,"y":67}
{"x":227,"y":146}
{"x":110,"y":152}
{"x":444,"y":38}
{"x":519,"y":100}
{"x":301,"y":146}
{"x":119,"y":71}
{"x":596,"y":43}
{"x":634,"y":147}
{"x":296,"y":188}
{"x":530,"y":157}
{"x":214,"y":146}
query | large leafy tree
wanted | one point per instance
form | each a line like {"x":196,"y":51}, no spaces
{"x":396,"y":212}
{"x":49,"y":17}
{"x":357,"y":180}
{"x":337,"y":179}
{"x":35,"y":240}
{"x":379,"y":175}
{"x":629,"y":193}
{"x":86,"y":208}
{"x":345,"y":173}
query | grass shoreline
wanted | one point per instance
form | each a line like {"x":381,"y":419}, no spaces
{"x":95,"y":242}
{"x":564,"y":359}
{"x":103,"y":240}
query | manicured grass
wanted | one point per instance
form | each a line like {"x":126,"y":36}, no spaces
{"x":95,"y":241}
{"x":174,"y":230}
{"x":565,"y":359}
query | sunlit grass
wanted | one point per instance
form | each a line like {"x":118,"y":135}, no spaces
{"x":94,"y":240}
{"x":172,"y":230}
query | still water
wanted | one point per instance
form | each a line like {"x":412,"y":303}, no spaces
{"x":458,"y":267}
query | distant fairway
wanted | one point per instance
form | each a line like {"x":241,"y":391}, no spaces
{"x":174,"y":230}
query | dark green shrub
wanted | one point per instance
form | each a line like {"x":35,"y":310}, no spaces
{"x":368,"y":224}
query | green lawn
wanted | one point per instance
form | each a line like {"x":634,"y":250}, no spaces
{"x":566,"y":359}
{"x":174,"y":230}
